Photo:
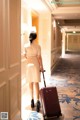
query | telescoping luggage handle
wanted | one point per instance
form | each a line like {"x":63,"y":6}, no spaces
{"x":44,"y":78}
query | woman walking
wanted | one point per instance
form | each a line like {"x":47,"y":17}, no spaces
{"x":34,"y":66}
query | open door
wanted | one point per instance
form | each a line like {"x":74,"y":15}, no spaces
{"x":35,"y":22}
{"x":10,"y":59}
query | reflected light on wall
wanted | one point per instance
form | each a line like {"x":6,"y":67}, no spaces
{"x":33,"y":29}
{"x":24,"y":28}
{"x":62,"y":30}
{"x":54,"y":24}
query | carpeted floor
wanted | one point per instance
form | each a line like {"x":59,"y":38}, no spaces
{"x":66,"y":77}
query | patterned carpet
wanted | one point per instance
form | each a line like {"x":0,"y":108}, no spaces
{"x":66,"y":77}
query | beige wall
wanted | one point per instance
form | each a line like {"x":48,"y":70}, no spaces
{"x":56,"y":42}
{"x":73,"y":42}
{"x":45,"y":39}
{"x":10,"y":58}
{"x":35,"y":22}
{"x":26,"y":23}
{"x":25,"y":19}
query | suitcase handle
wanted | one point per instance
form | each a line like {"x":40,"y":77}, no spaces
{"x":44,"y":78}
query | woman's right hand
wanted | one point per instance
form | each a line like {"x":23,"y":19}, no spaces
{"x":25,"y":55}
{"x":41,"y":69}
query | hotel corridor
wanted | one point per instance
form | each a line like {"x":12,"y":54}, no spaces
{"x":57,"y":24}
{"x":66,"y":77}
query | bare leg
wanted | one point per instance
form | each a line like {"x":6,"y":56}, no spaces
{"x":31,"y":90}
{"x":31,"y":93}
{"x":37,"y":90}
{"x":37,"y":96}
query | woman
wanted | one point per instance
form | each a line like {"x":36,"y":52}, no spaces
{"x":34,"y":66}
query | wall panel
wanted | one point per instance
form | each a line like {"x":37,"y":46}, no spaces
{"x":2,"y":97}
{"x":13,"y":84}
{"x":73,"y":42}
{"x":10,"y":58}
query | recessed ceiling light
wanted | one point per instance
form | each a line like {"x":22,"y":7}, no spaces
{"x":74,"y":31}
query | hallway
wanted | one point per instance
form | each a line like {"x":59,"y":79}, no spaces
{"x":57,"y":24}
{"x":58,"y":30}
{"x":66,"y":78}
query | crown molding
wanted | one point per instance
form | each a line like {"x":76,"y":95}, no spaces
{"x":48,"y":5}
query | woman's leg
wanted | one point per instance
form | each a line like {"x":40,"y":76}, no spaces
{"x":31,"y":93}
{"x":37,"y":89}
{"x":31,"y":89}
{"x":37,"y":96}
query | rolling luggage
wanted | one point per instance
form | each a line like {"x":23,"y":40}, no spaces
{"x":50,"y":102}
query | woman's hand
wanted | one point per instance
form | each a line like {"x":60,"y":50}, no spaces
{"x":25,"y":55}
{"x":41,"y":69}
{"x":40,"y":63}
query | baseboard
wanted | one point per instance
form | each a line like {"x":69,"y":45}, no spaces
{"x":54,"y":66}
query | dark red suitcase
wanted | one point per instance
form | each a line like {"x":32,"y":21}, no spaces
{"x":50,"y":102}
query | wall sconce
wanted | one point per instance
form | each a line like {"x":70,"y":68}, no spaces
{"x":74,"y":31}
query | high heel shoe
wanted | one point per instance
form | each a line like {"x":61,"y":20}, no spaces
{"x":32,"y":103}
{"x":38,"y":106}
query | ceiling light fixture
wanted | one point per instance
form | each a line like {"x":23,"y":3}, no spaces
{"x":74,"y":31}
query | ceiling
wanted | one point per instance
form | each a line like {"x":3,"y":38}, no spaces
{"x":66,"y":12}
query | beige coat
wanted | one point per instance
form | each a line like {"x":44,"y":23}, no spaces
{"x":33,"y":68}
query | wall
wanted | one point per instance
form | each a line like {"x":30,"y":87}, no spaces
{"x":45,"y":39}
{"x":35,"y":22}
{"x":26,"y":23}
{"x":73,"y":42}
{"x":10,"y":58}
{"x":56,"y":42}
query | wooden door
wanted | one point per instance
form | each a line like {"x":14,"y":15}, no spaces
{"x":10,"y":58}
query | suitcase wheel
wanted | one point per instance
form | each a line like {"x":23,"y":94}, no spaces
{"x":45,"y":117}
